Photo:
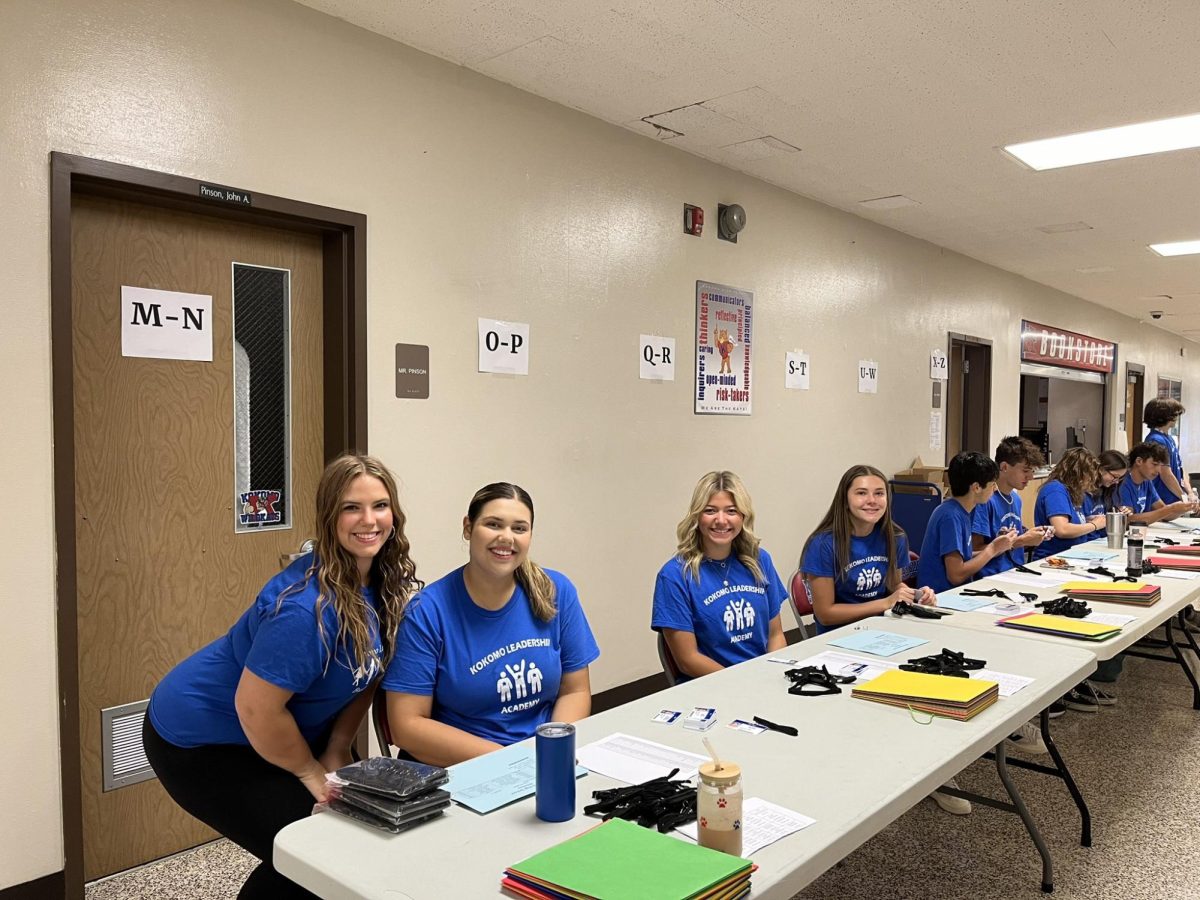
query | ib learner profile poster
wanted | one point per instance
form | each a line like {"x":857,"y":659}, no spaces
{"x":723,"y":349}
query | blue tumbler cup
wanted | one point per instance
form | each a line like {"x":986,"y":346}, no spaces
{"x":554,"y":748}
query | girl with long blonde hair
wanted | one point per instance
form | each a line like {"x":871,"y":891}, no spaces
{"x":717,"y":600}
{"x":494,"y":649}
{"x":242,"y":732}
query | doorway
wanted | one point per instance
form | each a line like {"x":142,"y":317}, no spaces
{"x":969,"y":396}
{"x":149,"y":459}
{"x":1135,"y":403}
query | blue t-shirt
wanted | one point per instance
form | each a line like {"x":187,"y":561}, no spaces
{"x":865,"y":576}
{"x":193,"y":705}
{"x":491,"y":673}
{"x":948,"y":531}
{"x":1054,"y":499}
{"x":1138,"y":497}
{"x":1161,"y":437}
{"x":986,"y":521}
{"x":729,"y":613}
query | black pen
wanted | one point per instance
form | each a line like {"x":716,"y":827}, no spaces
{"x":782,"y":729}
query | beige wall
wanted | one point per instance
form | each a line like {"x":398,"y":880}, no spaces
{"x":481,"y":200}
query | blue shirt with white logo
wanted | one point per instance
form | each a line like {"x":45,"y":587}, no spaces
{"x":865,"y":575}
{"x":1138,"y":497}
{"x":1054,"y":499}
{"x":1161,"y":437}
{"x":193,"y":705}
{"x":491,"y":673}
{"x":727,"y":610}
{"x":948,"y":531}
{"x":1001,"y":511}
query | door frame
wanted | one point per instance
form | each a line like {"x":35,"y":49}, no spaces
{"x":956,"y":338}
{"x":1139,"y":407}
{"x":344,"y":344}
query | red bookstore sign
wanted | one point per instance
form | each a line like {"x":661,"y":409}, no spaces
{"x":1056,"y":347}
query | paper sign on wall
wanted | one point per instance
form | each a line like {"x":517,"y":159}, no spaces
{"x":503,"y":347}
{"x":656,"y":358}
{"x":935,"y":429}
{"x":868,"y":376}
{"x":166,"y":324}
{"x":938,"y":370}
{"x":796,"y":373}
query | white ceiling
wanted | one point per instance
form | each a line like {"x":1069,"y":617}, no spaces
{"x":884,"y":97}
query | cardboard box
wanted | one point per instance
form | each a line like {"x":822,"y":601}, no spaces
{"x":919,"y":471}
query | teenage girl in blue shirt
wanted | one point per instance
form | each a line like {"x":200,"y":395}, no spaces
{"x":494,"y":649}
{"x":1066,"y":503}
{"x":242,"y":732}
{"x":717,"y":600}
{"x":854,"y":559}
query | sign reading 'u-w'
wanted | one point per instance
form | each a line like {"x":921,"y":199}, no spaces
{"x":166,"y":324}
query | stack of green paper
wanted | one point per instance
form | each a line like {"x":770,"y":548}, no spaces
{"x":619,"y":860}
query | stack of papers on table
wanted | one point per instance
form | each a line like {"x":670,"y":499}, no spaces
{"x":1177,"y":560}
{"x":1130,"y":593}
{"x":942,"y":695}
{"x":1061,"y":626}
{"x":619,"y":860}
{"x":1180,"y":551}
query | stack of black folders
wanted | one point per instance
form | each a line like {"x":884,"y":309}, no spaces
{"x":388,"y":794}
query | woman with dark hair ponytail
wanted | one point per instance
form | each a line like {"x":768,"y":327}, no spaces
{"x":494,"y":649}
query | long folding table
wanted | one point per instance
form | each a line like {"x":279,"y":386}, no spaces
{"x":856,"y":767}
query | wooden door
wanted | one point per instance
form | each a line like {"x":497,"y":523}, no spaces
{"x":160,"y":569}
{"x":1134,"y":403}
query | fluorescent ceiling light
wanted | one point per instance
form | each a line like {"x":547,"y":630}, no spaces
{"x":1178,"y":248}
{"x":1179,"y":133}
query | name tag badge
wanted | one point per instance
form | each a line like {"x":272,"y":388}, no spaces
{"x":701,"y":718}
{"x":667,"y":716}
{"x":748,"y":727}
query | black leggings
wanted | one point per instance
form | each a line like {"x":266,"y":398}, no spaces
{"x":235,"y":791}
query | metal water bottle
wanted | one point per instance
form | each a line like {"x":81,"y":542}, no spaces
{"x":554,"y":749}
{"x":1133,"y":558}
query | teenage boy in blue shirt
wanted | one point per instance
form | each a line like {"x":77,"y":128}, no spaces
{"x":1137,"y":490}
{"x":948,"y":558}
{"x":1016,"y":458}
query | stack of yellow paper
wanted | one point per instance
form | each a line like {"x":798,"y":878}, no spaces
{"x":942,"y":695}
{"x":1061,"y":626}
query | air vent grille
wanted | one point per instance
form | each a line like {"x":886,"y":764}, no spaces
{"x":122,"y":754}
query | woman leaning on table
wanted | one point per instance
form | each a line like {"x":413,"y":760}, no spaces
{"x":242,"y":732}
{"x":494,"y":649}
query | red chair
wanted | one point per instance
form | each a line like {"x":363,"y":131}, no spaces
{"x":910,"y":570}
{"x":670,"y":668}
{"x":379,"y":719}
{"x":801,"y":602}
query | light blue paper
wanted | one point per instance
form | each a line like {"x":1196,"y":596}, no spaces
{"x":877,"y":643}
{"x":963,"y":604}
{"x":1088,"y":553}
{"x":495,"y":779}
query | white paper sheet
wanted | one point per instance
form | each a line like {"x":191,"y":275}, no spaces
{"x":1109,"y":619}
{"x":847,"y":664}
{"x":1182,"y":574}
{"x":634,"y":760}
{"x":1009,"y":684}
{"x":763,"y":823}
